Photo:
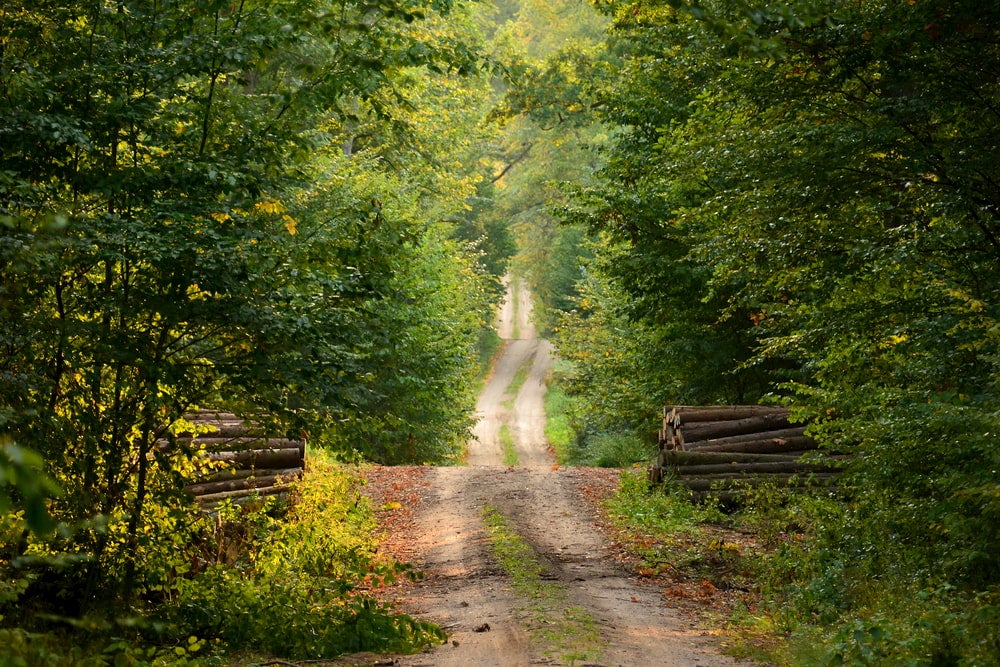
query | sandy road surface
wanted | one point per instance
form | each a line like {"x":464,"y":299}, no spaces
{"x":471,"y":597}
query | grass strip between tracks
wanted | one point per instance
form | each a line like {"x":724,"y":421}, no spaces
{"x":514,"y":388}
{"x":510,"y":457}
{"x":568,"y":632}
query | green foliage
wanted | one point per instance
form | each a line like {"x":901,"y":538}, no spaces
{"x":199,"y":206}
{"x":545,"y":105}
{"x":24,"y":649}
{"x":489,"y":345}
{"x":580,"y":439}
{"x":406,"y":308}
{"x":299,"y":586}
{"x":798,"y":204}
{"x":293,"y":582}
{"x":559,"y":432}
{"x":21,"y":477}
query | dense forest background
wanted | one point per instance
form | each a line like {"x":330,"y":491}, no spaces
{"x":304,"y":209}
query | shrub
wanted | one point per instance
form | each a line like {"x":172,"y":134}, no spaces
{"x":303,"y":587}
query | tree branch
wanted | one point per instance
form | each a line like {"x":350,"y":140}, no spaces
{"x":514,"y":162}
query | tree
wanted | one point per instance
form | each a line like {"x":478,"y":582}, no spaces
{"x":151,"y":156}
{"x":811,"y":184}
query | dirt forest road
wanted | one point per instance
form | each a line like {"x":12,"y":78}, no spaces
{"x":586,"y":610}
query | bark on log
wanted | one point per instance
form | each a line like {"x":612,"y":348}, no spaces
{"x":789,"y":467}
{"x":224,"y":475}
{"x":249,"y":482}
{"x":231,"y":473}
{"x":681,"y":458}
{"x":782,"y":432}
{"x":243,"y":493}
{"x":227,"y":430}
{"x":287,"y":457}
{"x":687,"y":414}
{"x":761,"y":446}
{"x":232,"y":444}
{"x":722,"y":429}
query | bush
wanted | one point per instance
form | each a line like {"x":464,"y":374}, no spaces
{"x":302,"y":590}
{"x":293,"y":578}
{"x":615,"y":450}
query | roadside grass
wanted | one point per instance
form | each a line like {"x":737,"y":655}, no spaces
{"x":568,"y":632}
{"x":558,"y":431}
{"x":707,"y":561}
{"x":489,"y":347}
{"x":615,"y":449}
{"x":510,"y":457}
{"x":663,"y":529}
{"x":618,"y":449}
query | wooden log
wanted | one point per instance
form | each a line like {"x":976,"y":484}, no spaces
{"x":287,"y":457}
{"x":688,"y":414}
{"x":226,"y":430}
{"x":782,"y":432}
{"x":764,"y":440}
{"x":721,"y":429}
{"x":223,"y":475}
{"x":243,"y":493}
{"x":753,"y":468}
{"x":682,"y":458}
{"x":210,"y":414}
{"x":762,"y":446}
{"x":236,"y":443}
{"x":249,"y":482}
{"x":730,"y":481}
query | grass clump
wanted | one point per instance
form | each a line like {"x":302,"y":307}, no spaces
{"x":510,"y":457}
{"x":614,"y":450}
{"x":558,"y":430}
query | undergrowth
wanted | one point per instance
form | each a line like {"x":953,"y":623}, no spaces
{"x":575,"y":445}
{"x":290,"y":581}
{"x":798,"y":589}
{"x":558,"y":431}
{"x":510,"y":457}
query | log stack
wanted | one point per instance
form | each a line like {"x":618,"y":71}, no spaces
{"x":722,"y":450}
{"x":250,"y":462}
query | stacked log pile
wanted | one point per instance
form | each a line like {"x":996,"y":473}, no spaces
{"x":723,"y":450}
{"x":249,"y":462}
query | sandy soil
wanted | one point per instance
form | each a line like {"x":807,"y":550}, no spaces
{"x":470,"y":596}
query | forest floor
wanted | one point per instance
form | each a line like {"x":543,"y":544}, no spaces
{"x":585,"y":606}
